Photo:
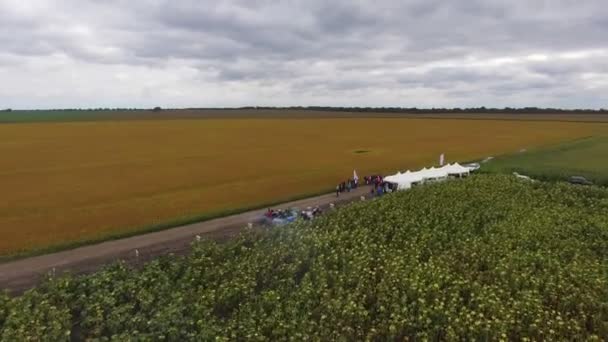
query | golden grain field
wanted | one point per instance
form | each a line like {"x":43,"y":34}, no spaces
{"x":64,"y":182}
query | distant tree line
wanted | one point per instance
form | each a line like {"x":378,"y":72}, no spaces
{"x":509,"y":110}
{"x":100,"y":109}
{"x":523,"y":110}
{"x":80,"y":109}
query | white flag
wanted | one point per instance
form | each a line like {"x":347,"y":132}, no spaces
{"x":355,"y":178}
{"x":441,"y":158}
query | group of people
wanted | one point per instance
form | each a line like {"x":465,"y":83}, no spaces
{"x":378,"y":188}
{"x":378,"y":185}
{"x":346,"y":186}
{"x":375,"y":180}
{"x":381,"y":188}
{"x":285,"y":216}
{"x":282,"y":214}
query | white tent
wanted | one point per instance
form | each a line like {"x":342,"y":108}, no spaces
{"x":457,"y":169}
{"x":406,"y":179}
{"x":393,"y":178}
{"x":412,"y":177}
{"x":446,"y":168}
{"x":434,"y":173}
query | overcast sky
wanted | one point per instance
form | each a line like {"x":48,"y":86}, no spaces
{"x":193,"y":53}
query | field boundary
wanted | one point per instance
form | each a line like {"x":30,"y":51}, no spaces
{"x":294,"y":114}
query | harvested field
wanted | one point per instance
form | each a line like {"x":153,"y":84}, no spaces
{"x":68,"y":182}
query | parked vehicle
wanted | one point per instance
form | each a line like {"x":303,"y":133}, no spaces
{"x":472,"y":166}
{"x":281,"y":217}
{"x":579,"y":180}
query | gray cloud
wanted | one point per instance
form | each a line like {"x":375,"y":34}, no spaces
{"x":383,"y":53}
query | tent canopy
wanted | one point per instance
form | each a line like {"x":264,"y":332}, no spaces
{"x":457,"y":169}
{"x":406,"y":179}
{"x":434,"y":173}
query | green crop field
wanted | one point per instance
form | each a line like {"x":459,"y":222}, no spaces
{"x":21,"y":116}
{"x":583,"y":157}
{"x":486,"y":258}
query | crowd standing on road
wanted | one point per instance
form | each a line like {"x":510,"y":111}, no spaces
{"x":378,"y":187}
{"x":347,"y":186}
{"x":377,"y":183}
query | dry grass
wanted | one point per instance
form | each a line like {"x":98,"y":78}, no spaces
{"x":63,"y":182}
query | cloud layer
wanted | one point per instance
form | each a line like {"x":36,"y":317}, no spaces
{"x":427,"y":53}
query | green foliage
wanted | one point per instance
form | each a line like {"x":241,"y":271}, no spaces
{"x":66,"y":115}
{"x":487,"y":258}
{"x":5,"y":305}
{"x":39,"y":315}
{"x":15,"y":116}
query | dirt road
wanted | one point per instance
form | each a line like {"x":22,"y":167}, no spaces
{"x":20,"y":275}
